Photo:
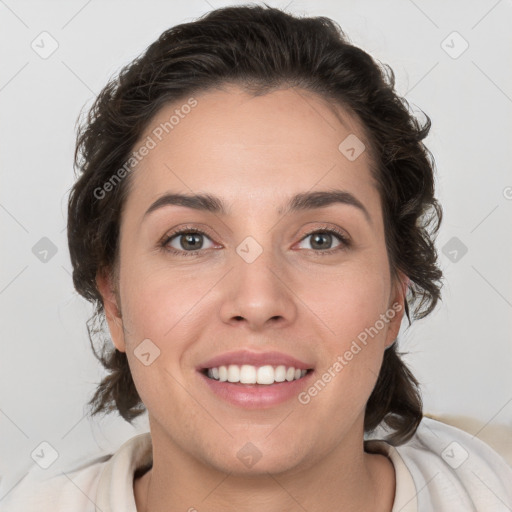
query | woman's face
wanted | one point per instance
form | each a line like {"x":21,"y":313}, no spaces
{"x":252,"y":287}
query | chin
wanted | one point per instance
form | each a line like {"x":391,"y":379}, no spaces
{"x":241,"y":456}
{"x":250,"y":461}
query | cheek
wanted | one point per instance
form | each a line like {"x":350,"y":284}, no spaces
{"x":158,"y":301}
{"x":163,"y":308}
{"x":352,"y":347}
{"x":349,"y":301}
{"x":350,"y":306}
{"x":171,"y":309}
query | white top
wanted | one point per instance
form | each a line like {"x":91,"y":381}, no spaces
{"x":440,"y":469}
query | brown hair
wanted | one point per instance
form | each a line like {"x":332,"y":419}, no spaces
{"x":260,"y":49}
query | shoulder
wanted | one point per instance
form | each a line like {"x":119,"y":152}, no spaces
{"x":65,"y":490}
{"x":101,"y":483}
{"x":452,"y":468}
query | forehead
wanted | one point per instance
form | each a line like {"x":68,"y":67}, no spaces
{"x":257,"y":148}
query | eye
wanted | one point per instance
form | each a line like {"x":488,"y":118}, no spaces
{"x":185,"y":242}
{"x":322,"y":239}
{"x":190,"y":241}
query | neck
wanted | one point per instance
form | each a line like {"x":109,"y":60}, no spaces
{"x":350,"y":480}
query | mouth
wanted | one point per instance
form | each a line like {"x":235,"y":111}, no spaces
{"x":255,"y":380}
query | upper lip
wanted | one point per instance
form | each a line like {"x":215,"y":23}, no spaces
{"x":240,"y":357}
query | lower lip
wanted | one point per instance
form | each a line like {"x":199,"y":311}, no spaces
{"x":257,"y":396}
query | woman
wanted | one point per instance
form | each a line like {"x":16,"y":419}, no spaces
{"x":254,"y":215}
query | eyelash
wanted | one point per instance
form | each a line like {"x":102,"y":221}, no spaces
{"x":345,"y":242}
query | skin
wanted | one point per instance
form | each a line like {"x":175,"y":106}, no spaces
{"x":255,"y":152}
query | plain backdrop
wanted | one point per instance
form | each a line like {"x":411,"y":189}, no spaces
{"x":451,"y":59}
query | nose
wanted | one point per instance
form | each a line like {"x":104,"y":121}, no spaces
{"x":258,"y":292}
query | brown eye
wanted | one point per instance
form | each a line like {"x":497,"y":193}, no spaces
{"x":185,"y":242}
{"x":190,"y":241}
{"x":322,"y":240}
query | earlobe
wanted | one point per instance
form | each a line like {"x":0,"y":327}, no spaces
{"x":397,"y":305}
{"x":402,"y":289}
{"x":105,"y":284}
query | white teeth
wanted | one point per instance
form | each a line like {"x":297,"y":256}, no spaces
{"x":223,"y":373}
{"x":249,"y":374}
{"x":265,"y":375}
{"x":233,"y":373}
{"x":280,"y":373}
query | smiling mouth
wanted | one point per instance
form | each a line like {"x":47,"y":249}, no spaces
{"x":249,"y":374}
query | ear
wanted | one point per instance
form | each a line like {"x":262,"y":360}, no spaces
{"x":106,"y":287}
{"x":396,"y":308}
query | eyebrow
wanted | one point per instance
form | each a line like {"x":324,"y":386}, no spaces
{"x":300,"y":202}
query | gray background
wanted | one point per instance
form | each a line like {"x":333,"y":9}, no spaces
{"x":462,"y":353}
